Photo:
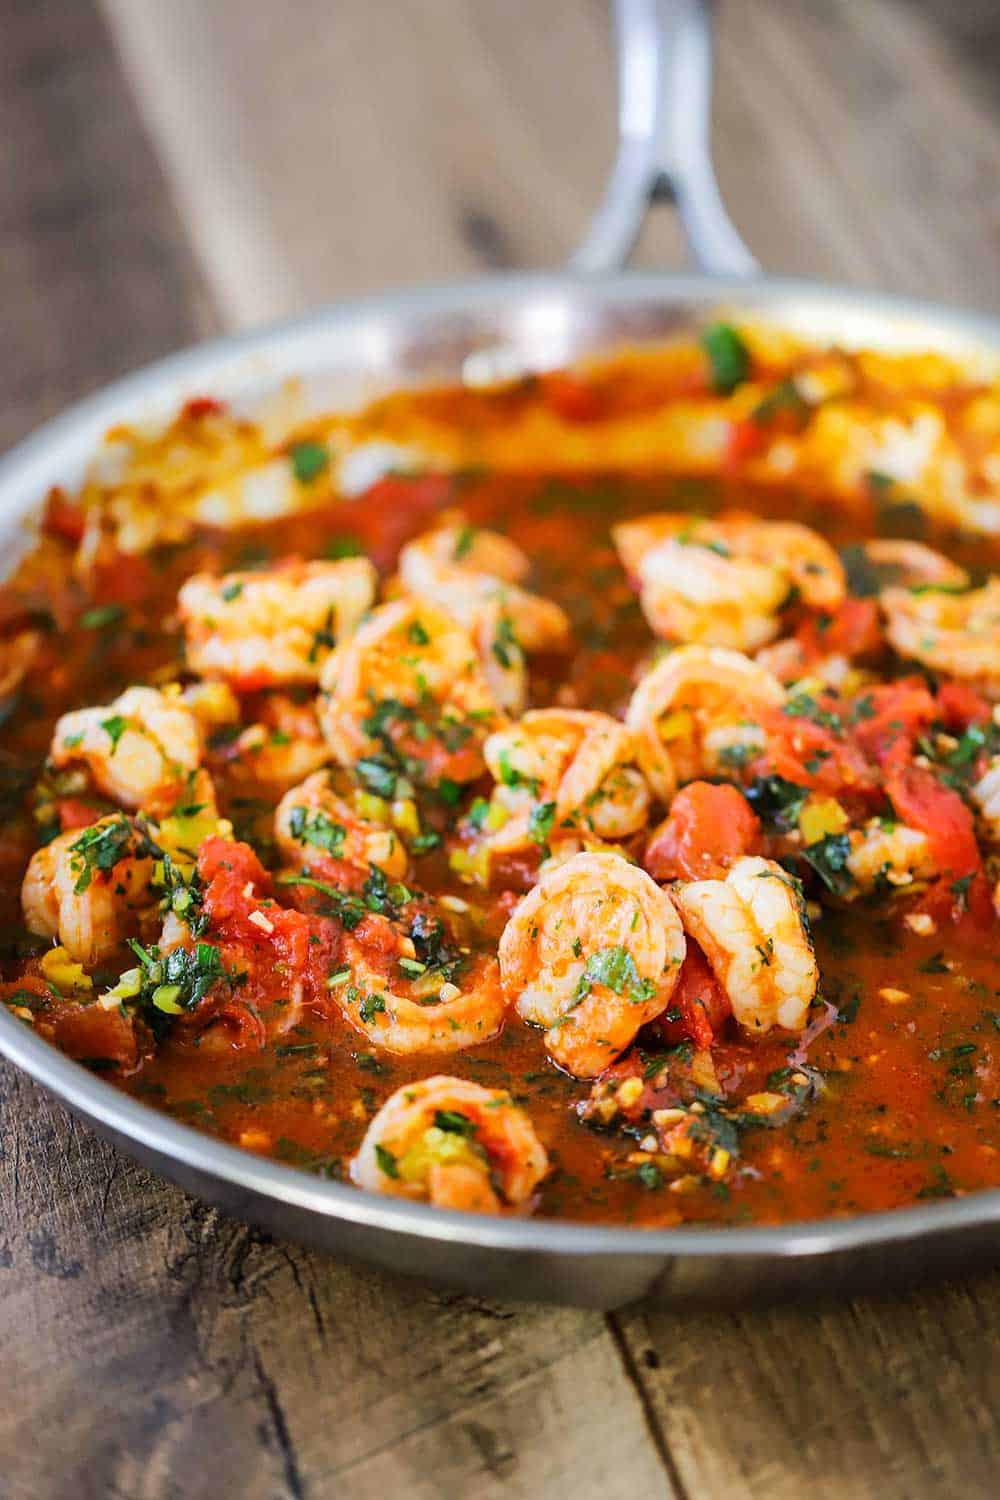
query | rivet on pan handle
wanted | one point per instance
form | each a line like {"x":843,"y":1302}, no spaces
{"x":664,"y":124}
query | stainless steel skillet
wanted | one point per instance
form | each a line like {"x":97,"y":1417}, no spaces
{"x":346,"y":354}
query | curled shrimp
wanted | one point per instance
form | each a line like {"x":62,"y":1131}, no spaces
{"x":725,"y":581}
{"x":316,"y":824}
{"x":89,"y":887}
{"x":405,"y":1006}
{"x":576,"y":767}
{"x":956,"y":634}
{"x":696,"y":711}
{"x":751,"y":928}
{"x":273,"y":628}
{"x":454,"y":1144}
{"x":140,"y":749}
{"x":408,"y":691}
{"x":905,"y":564}
{"x":474,"y":574}
{"x":592,"y":953}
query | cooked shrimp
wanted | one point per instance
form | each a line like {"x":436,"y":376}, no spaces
{"x":408,"y":689}
{"x":315,"y":823}
{"x":725,"y":581}
{"x":452,"y":1143}
{"x":283,"y":747}
{"x":403,"y":1010}
{"x":473,"y":574}
{"x":906,"y":564}
{"x":592,"y":953}
{"x":889,"y":852}
{"x":139,"y":749}
{"x":575,"y":766}
{"x":751,"y":927}
{"x":278,"y":627}
{"x":957,"y":634}
{"x":694,"y":714}
{"x":89,"y":886}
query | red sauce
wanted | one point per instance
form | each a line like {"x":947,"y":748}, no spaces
{"x":910,"y":1101}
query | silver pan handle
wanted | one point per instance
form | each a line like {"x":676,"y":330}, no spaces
{"x":664,"y":150}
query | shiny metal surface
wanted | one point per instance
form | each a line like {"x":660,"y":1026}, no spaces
{"x":344,"y":355}
{"x":664,"y":141}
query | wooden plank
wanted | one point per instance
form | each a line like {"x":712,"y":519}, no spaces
{"x":851,"y":147}
{"x":368,"y":145}
{"x":98,"y":277}
{"x":159,"y":1348}
{"x":163,"y":1350}
{"x":897,"y":1398}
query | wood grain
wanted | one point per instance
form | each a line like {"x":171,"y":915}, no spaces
{"x":98,"y":276}
{"x":896,"y":1398}
{"x":367,"y":145}
{"x":165,"y":1351}
{"x":153,"y":1349}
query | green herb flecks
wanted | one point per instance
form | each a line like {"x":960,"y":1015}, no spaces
{"x":728,"y":356}
{"x":309,"y":460}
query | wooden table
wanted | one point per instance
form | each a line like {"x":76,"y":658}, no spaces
{"x":237,"y":158}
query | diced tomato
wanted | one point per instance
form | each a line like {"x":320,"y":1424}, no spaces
{"x":699,"y":1006}
{"x":813,"y":755}
{"x":923,"y":802}
{"x":417,"y":495}
{"x":202,"y":406}
{"x":274,"y":943}
{"x":92,"y":1034}
{"x":895,"y":714}
{"x":122,"y":580}
{"x":573,"y":398}
{"x":960,"y":706}
{"x":708,"y":828}
{"x":74,"y":813}
{"x":63,"y":517}
{"x":853,"y":630}
{"x":745,"y":440}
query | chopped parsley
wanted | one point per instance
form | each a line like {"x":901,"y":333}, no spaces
{"x":511,"y":776}
{"x":828,"y":857}
{"x":540,"y":823}
{"x":455,"y":1123}
{"x":728,"y":356}
{"x":308,"y":461}
{"x":776,"y":801}
{"x":314,"y":827}
{"x":505,"y":646}
{"x":114,"y":728}
{"x":371,"y":1006}
{"x":101,"y":847}
{"x":339,"y":547}
{"x":805,"y":706}
{"x":386,"y":1161}
{"x":615,"y":969}
{"x":378,"y":775}
{"x":102,"y":617}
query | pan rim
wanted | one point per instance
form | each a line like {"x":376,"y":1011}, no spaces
{"x":131,"y":1121}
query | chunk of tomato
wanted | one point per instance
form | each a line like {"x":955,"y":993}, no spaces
{"x":699,"y":1006}
{"x":923,"y":802}
{"x":707,"y":829}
